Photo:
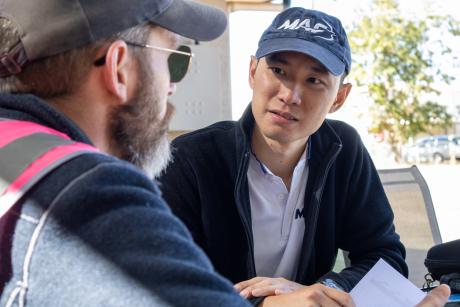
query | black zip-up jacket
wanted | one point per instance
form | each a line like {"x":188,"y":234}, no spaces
{"x":345,"y":205}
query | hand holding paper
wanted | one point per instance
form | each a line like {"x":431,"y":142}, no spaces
{"x":436,"y":298}
{"x":383,"y":286}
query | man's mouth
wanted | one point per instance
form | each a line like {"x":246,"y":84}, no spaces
{"x":284,"y":115}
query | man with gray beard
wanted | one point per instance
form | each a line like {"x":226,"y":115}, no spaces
{"x":84,"y":85}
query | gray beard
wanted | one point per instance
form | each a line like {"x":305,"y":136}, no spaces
{"x":138,"y":135}
{"x":156,"y":162}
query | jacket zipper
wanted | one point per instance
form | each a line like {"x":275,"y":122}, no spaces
{"x":240,"y":206}
{"x":313,"y":219}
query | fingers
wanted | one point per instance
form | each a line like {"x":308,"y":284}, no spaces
{"x":310,"y":298}
{"x":442,"y":291}
{"x":245,"y":287}
{"x":316,"y":295}
{"x":246,"y":283}
{"x":281,"y":291}
{"x":340,"y":297}
{"x":436,"y":298}
{"x":267,"y":290}
{"x":265,"y":286}
{"x":319,"y":297}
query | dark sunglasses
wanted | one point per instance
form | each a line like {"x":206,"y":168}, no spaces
{"x":178,"y":61}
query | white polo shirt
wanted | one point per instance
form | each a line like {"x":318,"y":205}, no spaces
{"x":277,"y":218}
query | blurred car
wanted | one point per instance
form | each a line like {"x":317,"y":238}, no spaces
{"x":432,"y":149}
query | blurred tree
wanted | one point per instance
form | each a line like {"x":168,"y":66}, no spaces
{"x":393,"y":57}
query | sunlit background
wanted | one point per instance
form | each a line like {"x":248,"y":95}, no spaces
{"x":246,"y":27}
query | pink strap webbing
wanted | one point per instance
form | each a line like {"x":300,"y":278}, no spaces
{"x":10,"y":131}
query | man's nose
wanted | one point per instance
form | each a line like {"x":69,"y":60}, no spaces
{"x":172,"y":88}
{"x":290,"y":93}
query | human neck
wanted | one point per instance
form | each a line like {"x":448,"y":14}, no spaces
{"x":280,"y":158}
{"x":90,"y":116}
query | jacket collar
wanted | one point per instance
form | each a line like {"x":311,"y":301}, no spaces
{"x":325,"y":139}
{"x":244,"y":131}
{"x":32,"y":108}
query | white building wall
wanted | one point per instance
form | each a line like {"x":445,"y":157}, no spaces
{"x":204,"y":96}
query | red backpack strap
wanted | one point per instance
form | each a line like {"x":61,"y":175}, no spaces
{"x":29,"y":151}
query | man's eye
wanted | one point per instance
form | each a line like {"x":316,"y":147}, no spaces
{"x":314,"y":80}
{"x":277,"y":70}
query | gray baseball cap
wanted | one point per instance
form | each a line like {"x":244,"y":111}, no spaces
{"x":49,"y":27}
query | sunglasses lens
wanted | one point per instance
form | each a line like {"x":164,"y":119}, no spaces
{"x":178,"y":64}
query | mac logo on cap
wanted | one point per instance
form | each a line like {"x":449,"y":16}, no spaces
{"x":320,"y":30}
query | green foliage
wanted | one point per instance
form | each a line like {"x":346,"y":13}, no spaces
{"x":393,"y":57}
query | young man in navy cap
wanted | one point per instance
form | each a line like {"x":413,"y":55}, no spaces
{"x":272,"y":197}
{"x":77,"y":227}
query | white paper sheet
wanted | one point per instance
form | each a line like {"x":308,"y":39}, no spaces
{"x":383,"y":286}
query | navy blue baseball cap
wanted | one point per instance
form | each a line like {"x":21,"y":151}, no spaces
{"x":310,"y":32}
